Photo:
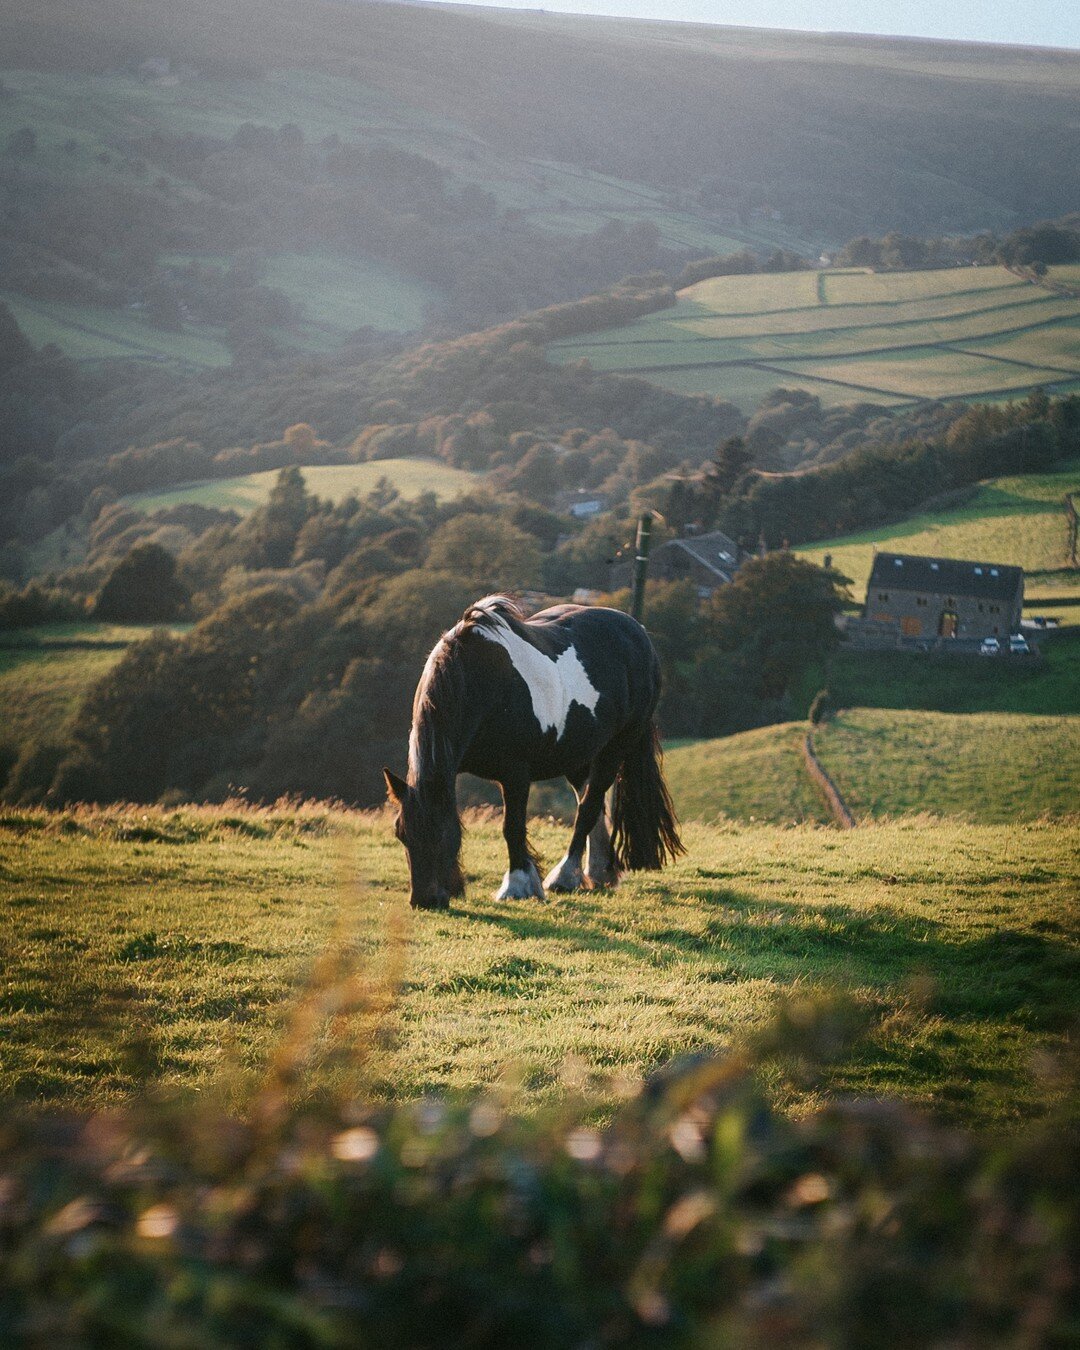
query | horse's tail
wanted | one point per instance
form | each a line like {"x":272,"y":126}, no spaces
{"x":645,"y":833}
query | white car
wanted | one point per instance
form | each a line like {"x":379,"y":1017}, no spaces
{"x":989,"y":647}
{"x":1018,"y":645}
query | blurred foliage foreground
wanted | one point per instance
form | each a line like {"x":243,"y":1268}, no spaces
{"x":698,"y":1215}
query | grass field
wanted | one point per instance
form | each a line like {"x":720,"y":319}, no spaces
{"x":1016,"y":520}
{"x":142,"y":946}
{"x":410,"y":477}
{"x":41,"y":690}
{"x":44,"y":673}
{"x":753,"y":776}
{"x":994,"y":768}
{"x":889,"y":337}
{"x":93,"y":332}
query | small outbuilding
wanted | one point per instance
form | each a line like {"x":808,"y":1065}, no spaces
{"x":944,"y":598}
{"x":708,"y":560}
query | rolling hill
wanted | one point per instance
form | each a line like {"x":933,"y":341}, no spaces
{"x":890,"y":338}
{"x":390,"y":166}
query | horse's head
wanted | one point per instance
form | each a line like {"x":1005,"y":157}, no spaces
{"x":430,"y":829}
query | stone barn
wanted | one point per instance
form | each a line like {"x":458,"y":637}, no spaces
{"x":943,"y":598}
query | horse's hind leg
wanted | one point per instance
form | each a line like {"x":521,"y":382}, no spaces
{"x":522,"y":878}
{"x":568,"y":874}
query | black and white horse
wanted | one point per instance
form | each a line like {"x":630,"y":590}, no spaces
{"x":570,"y":692}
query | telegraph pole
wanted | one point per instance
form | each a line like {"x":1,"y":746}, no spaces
{"x":641,"y":565}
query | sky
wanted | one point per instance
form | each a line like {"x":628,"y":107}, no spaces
{"x":1039,"y":23}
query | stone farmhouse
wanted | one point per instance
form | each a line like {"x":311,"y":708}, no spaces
{"x":919,"y":597}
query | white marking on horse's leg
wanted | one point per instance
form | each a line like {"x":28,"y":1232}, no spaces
{"x":600,"y":869}
{"x":566,"y":875}
{"x":521,"y":884}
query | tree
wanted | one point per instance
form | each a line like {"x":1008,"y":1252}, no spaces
{"x":490,"y":551}
{"x":143,"y":588}
{"x":779,"y":614}
{"x":731,"y":462}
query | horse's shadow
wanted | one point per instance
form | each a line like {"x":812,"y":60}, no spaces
{"x":1029,"y":977}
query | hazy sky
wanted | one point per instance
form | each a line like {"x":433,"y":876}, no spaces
{"x":1043,"y":23}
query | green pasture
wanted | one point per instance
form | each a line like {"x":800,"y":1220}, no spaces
{"x":333,"y":482}
{"x":149,"y":947}
{"x":1048,"y":687}
{"x":929,"y":372}
{"x":41,"y":689}
{"x":859,"y":286}
{"x":1016,"y":520}
{"x":753,"y":776}
{"x":344,"y":294}
{"x":94,"y":332}
{"x":994,"y":768}
{"x":849,"y":336}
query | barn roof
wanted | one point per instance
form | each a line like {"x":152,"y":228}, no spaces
{"x":945,"y":576}
{"x":715,"y":551}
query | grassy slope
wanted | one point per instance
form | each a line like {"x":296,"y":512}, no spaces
{"x":989,"y":767}
{"x":849,"y":335}
{"x":41,"y":690}
{"x":1018,"y":521}
{"x":44,"y":672}
{"x":757,"y":775}
{"x":140,"y":945}
{"x":410,"y":477}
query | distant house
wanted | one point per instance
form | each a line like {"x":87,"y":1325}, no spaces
{"x":942,"y":598}
{"x":708,"y":560}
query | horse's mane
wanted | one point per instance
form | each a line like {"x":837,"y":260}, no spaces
{"x":441,"y":702}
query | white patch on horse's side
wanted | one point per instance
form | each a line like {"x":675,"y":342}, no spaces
{"x":553,"y":684}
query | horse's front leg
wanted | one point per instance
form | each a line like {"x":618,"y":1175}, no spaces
{"x":522,"y":879}
{"x":590,"y":829}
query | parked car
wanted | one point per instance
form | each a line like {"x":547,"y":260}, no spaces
{"x":1018,"y":645}
{"x":990,"y":647}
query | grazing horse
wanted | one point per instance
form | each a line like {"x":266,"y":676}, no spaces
{"x":570,"y":693}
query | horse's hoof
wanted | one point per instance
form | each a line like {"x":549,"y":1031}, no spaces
{"x":441,"y":901}
{"x":520,"y":885}
{"x":565,"y":876}
{"x":602,"y":881}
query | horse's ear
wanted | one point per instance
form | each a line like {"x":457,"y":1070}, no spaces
{"x":397,"y":787}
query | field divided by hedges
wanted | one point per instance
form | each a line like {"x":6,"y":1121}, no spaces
{"x":850,"y":336}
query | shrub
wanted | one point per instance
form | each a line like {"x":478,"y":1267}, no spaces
{"x":699,"y":1215}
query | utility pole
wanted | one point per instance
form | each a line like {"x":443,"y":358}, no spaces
{"x":641,"y":565}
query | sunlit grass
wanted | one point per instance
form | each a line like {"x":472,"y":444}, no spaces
{"x":149,"y":946}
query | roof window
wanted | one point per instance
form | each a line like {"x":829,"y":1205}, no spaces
{"x":934,"y":567}
{"x":978,"y":571}
{"x":993,"y":571}
{"x":898,"y":562}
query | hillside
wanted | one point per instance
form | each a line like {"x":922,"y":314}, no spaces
{"x":1016,"y":520}
{"x":994,"y":768}
{"x":194,"y":931}
{"x":752,"y":776}
{"x":889,"y":338}
{"x":289,"y":186}
{"x":331,"y":482}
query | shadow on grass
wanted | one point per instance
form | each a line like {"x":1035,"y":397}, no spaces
{"x":1031,"y":979}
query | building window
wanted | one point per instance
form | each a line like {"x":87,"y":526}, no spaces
{"x":883,"y":595}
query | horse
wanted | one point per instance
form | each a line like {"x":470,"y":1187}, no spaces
{"x":570,"y":692}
